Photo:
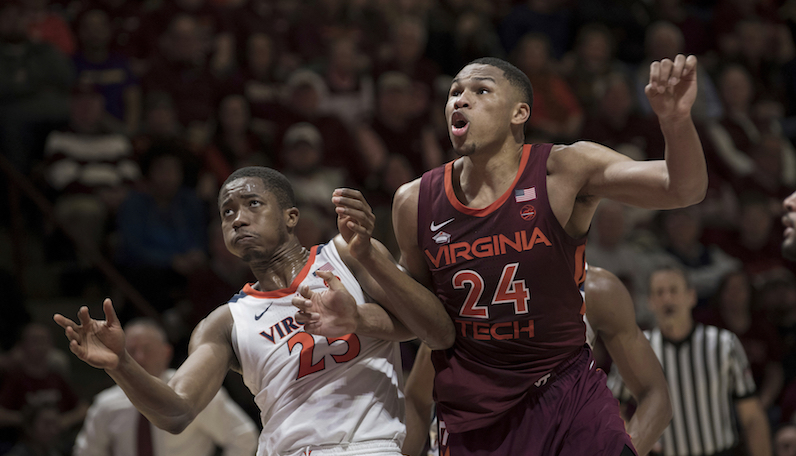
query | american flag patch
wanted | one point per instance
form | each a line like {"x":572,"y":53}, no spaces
{"x":326,"y":267}
{"x":529,"y":194}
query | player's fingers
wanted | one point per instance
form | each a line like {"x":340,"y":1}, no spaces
{"x":677,"y":70}
{"x":301,"y":303}
{"x":305,"y":291}
{"x":110,"y":313}
{"x":306,"y":318}
{"x":64,"y":322}
{"x":690,"y":65}
{"x":73,"y":335}
{"x":83,"y":316}
{"x":366,"y":219}
{"x":665,"y":72}
{"x":655,"y":71}
{"x":331,"y":279}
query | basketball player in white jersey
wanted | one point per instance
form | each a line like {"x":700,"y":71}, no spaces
{"x":609,"y":314}
{"x":339,"y":394}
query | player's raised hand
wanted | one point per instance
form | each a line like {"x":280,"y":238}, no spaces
{"x":672,"y":87}
{"x":98,"y":343}
{"x":355,"y":220}
{"x":330,"y":313}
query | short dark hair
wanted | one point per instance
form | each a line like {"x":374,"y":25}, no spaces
{"x":514,"y":75}
{"x":274,"y":182}
{"x":671,"y":266}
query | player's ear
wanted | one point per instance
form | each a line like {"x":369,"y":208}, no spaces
{"x":521,"y":113}
{"x":291,"y":217}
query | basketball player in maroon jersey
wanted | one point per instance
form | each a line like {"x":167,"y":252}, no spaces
{"x":499,"y":235}
{"x":610,"y":314}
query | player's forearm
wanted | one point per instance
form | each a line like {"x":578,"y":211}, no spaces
{"x":417,"y":308}
{"x":374,"y":321}
{"x":155,"y":399}
{"x":685,"y":161}
{"x":650,"y":419}
{"x":758,"y":442}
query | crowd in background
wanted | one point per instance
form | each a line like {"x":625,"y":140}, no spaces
{"x":129,"y":115}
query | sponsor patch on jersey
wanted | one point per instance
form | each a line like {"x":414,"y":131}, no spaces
{"x":528,"y":212}
{"x":442,"y":238}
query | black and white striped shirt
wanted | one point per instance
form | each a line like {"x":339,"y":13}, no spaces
{"x":706,"y":373}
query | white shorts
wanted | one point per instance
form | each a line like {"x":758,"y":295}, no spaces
{"x":372,"y":448}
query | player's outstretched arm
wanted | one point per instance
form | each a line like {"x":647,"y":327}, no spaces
{"x":334,"y":313}
{"x":419,"y":402}
{"x":609,"y":309}
{"x":168,"y":406}
{"x":678,"y":181}
{"x":409,"y":301}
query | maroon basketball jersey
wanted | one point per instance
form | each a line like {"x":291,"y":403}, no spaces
{"x":509,"y":276}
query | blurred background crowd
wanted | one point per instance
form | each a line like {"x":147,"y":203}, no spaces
{"x":120,"y":119}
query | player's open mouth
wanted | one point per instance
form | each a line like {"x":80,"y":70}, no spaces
{"x":459,"y":124}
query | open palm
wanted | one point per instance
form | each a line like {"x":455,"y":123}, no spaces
{"x":98,"y":343}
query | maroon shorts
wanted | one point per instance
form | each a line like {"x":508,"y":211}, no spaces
{"x":572,"y":413}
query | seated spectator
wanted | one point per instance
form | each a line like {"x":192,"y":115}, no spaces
{"x":313,"y":183}
{"x":41,"y":432}
{"x":161,"y":229}
{"x":732,"y":139}
{"x":303,"y":97}
{"x":89,"y":171}
{"x":35,"y":79}
{"x":550,"y":18}
{"x":663,"y":40}
{"x":159,"y":123}
{"x":33,"y":382}
{"x":777,"y":299}
{"x":351,"y":92}
{"x":235,"y":144}
{"x":406,"y":54}
{"x":46,"y":26}
{"x":259,"y":79}
{"x":181,"y":70}
{"x":398,"y":129}
{"x":757,"y":239}
{"x":732,"y":307}
{"x":706,"y":264}
{"x":556,"y":112}
{"x":109,"y":71}
{"x":590,"y":65}
{"x":115,"y":427}
{"x":616,"y":123}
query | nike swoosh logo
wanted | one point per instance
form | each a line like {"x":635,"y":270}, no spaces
{"x":437,"y":227}
{"x":257,"y":317}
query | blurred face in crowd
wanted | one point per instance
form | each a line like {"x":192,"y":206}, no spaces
{"x":234,"y":114}
{"x":95,"y":29}
{"x":789,"y":221}
{"x":166,"y":175}
{"x":148,"y":347}
{"x":664,"y":41}
{"x":86,"y":111}
{"x":671,"y":298}
{"x":736,"y":89}
{"x":735,"y":293}
{"x":259,"y":54}
{"x":785,"y":441}
{"x":36,"y":343}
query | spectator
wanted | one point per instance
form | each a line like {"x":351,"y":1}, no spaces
{"x":663,"y":40}
{"x":34,"y":89}
{"x":733,"y":308}
{"x":110,"y":72}
{"x":161,"y":229}
{"x":89,"y":171}
{"x":182,"y":71}
{"x":551,"y":18}
{"x":556,"y":112}
{"x":34,"y":382}
{"x":45,"y":26}
{"x":351,"y":93}
{"x":114,"y":426}
{"x":41,"y":432}
{"x":398,"y":129}
{"x":785,"y":440}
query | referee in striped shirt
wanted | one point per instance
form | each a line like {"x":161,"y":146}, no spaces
{"x":710,"y":382}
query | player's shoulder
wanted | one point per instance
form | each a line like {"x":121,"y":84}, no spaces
{"x":408,"y":191}
{"x":582,"y":154}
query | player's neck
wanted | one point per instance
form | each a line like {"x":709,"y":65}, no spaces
{"x":480,"y":179}
{"x":283,"y":266}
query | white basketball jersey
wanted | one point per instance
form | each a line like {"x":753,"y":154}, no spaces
{"x":316,"y":393}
